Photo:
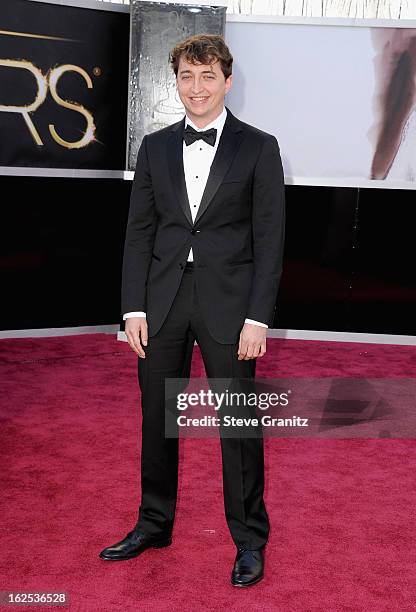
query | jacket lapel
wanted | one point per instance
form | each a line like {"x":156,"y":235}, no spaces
{"x":177,"y":173}
{"x":227,"y":148}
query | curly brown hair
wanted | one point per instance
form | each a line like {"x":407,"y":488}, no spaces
{"x":205,"y":49}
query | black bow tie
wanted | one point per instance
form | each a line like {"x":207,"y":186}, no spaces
{"x":190,"y":135}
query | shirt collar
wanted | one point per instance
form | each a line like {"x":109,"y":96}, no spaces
{"x":218,"y":123}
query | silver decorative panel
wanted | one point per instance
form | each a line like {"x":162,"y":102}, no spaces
{"x":156,"y":27}
{"x":367,"y":9}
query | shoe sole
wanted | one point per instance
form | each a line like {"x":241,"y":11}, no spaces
{"x":248,"y":584}
{"x":161,"y":544}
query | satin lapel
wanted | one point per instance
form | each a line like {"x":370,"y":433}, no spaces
{"x":227,"y":148}
{"x":177,"y":173}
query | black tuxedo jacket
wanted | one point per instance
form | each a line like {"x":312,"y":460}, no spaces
{"x":237,"y":237}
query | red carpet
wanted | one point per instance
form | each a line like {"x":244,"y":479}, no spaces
{"x":342,"y":511}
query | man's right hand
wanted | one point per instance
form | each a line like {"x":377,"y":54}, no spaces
{"x":136,"y":332}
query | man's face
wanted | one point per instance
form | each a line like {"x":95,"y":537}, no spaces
{"x":202,"y":88}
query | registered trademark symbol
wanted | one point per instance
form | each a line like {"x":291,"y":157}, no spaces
{"x":96,"y":71}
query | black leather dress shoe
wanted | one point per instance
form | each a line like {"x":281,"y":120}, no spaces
{"x":248,"y":567}
{"x":133,"y":544}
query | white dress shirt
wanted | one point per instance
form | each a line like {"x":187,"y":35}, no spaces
{"x":197,"y":160}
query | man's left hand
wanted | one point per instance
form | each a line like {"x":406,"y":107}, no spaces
{"x":252,"y":341}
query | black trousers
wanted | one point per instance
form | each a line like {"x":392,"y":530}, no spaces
{"x":169,"y":355}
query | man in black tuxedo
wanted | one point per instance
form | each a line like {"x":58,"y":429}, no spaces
{"x":202,"y":261}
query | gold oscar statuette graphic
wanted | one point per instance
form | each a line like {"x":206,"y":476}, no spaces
{"x":50,"y":81}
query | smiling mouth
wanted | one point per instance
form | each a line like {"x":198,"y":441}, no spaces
{"x":199,"y":99}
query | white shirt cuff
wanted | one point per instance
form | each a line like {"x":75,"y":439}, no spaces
{"x":255,"y":323}
{"x":143,"y":314}
{"x":129,"y":315}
